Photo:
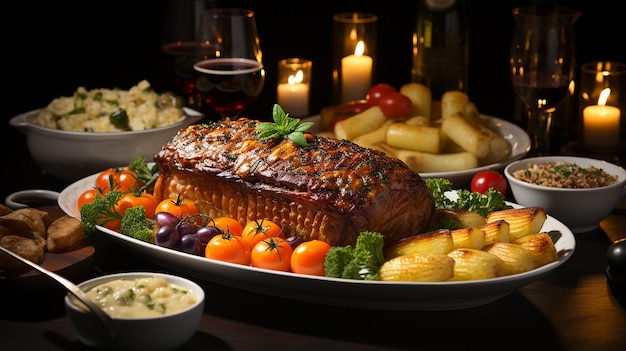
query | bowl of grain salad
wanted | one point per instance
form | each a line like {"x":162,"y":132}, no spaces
{"x":578,"y":191}
{"x":95,"y":129}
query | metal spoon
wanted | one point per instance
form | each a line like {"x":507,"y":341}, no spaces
{"x":111,"y":327}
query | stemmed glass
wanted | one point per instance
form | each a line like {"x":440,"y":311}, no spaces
{"x":542,"y":66}
{"x":229,"y":66}
{"x":179,"y":45}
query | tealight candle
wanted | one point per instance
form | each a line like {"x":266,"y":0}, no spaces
{"x":601,"y":123}
{"x":294,"y":84}
{"x":293,"y":96}
{"x":356,"y":74}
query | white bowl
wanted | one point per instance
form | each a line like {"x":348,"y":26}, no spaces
{"x":165,"y":332}
{"x":580,"y":210}
{"x":70,"y":155}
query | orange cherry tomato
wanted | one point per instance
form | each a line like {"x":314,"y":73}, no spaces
{"x":258,"y":230}
{"x":87,"y":197}
{"x":228,"y":225}
{"x":118,"y":178}
{"x":309,"y":256}
{"x":179,"y":207}
{"x":228,"y":248}
{"x":272,"y":253}
{"x":128,"y":200}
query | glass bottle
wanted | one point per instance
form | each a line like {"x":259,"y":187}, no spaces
{"x":440,"y":46}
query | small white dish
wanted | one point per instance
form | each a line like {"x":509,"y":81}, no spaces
{"x":581,"y":210}
{"x":166,"y":332}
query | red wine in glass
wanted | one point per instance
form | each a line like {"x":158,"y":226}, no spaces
{"x":182,"y":56}
{"x":541,"y":91}
{"x":229,"y":85}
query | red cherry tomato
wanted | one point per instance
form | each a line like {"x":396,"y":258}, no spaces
{"x":396,"y":105}
{"x":376,"y":92}
{"x":482,"y":181}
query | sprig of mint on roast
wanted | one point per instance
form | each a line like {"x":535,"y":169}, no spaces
{"x":284,"y":127}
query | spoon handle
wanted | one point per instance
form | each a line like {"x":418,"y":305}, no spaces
{"x":74,"y":290}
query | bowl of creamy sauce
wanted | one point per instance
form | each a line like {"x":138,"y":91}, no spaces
{"x":154,"y":311}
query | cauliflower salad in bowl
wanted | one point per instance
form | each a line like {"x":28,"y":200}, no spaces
{"x":112,"y":110}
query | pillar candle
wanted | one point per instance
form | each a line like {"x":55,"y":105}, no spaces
{"x":356,"y":75}
{"x":293,"y":97}
{"x":601,"y":123}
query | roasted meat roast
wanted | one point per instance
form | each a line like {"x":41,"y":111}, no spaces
{"x":330,"y":190}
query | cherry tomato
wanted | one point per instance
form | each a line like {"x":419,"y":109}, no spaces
{"x":180,"y":207}
{"x":228,"y":248}
{"x":120,"y":178}
{"x":131,"y":199}
{"x":228,"y":225}
{"x":482,"y":181}
{"x":376,"y":92}
{"x":309,"y":256}
{"x":255,"y":231}
{"x":87,"y":196}
{"x":272,"y":253}
{"x":396,"y":105}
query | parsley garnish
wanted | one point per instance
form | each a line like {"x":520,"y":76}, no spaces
{"x":284,"y":126}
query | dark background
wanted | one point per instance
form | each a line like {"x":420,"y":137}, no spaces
{"x":51,"y":48}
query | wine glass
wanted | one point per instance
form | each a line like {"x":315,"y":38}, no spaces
{"x":229,"y":67}
{"x":179,"y":45}
{"x":542,"y":66}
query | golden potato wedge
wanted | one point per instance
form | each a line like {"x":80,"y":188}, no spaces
{"x":414,"y":137}
{"x":461,"y":132}
{"x":496,"y":232}
{"x":359,"y":124}
{"x":421,"y":98}
{"x":32,"y":250}
{"x":470,"y":238}
{"x":64,"y":233}
{"x":424,"y":267}
{"x":438,"y":241}
{"x":522,"y":221}
{"x":374,"y":137}
{"x":541,"y":246}
{"x":472,"y":264}
{"x":32,"y":218}
{"x":515,"y":259}
{"x":453,"y":102}
{"x":427,"y":162}
{"x":462,"y":218}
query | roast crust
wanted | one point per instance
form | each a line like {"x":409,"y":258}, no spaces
{"x":329,"y":190}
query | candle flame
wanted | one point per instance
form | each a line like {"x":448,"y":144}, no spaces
{"x":360,"y":48}
{"x":297,"y":78}
{"x":604,"y":95}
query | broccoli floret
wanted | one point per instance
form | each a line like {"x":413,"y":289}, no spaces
{"x":362,"y":262}
{"x":100,"y":211}
{"x":135,"y":224}
{"x":337,"y":258}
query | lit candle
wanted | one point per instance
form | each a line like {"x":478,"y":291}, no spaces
{"x":293,"y":96}
{"x":601,"y":123}
{"x":356,"y":74}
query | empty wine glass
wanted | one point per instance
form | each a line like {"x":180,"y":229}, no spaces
{"x":229,"y":66}
{"x":542,"y":66}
